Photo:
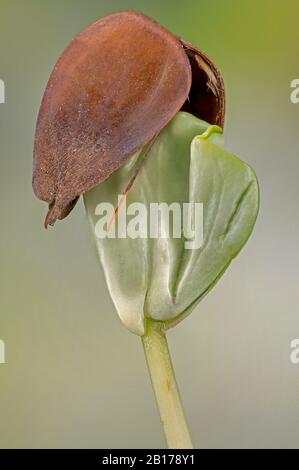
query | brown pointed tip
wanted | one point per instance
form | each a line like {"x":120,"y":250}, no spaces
{"x":49,"y":219}
{"x":55,"y":212}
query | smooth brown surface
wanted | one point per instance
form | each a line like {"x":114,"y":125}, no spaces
{"x":116,"y":85}
{"x":113,"y":89}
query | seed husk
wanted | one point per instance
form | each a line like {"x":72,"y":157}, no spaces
{"x":114,"y":88}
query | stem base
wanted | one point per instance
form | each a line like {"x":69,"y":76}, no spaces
{"x":165,"y":387}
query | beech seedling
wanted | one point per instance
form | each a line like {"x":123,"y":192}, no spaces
{"x":132,"y":118}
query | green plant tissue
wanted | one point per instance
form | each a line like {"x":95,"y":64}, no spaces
{"x":161,"y":277}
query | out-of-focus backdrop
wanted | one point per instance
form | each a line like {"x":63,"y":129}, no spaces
{"x":74,"y":377}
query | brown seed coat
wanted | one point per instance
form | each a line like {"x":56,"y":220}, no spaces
{"x":114,"y":88}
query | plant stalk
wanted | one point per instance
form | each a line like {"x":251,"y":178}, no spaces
{"x":165,"y":387}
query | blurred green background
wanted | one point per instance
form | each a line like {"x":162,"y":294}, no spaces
{"x":74,"y":376}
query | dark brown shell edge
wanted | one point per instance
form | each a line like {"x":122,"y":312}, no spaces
{"x":207,"y":95}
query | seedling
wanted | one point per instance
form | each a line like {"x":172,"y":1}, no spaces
{"x":132,"y":110}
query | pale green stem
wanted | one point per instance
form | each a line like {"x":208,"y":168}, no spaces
{"x":165,"y":387}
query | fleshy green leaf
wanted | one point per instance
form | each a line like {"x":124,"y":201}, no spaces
{"x":159,"y":277}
